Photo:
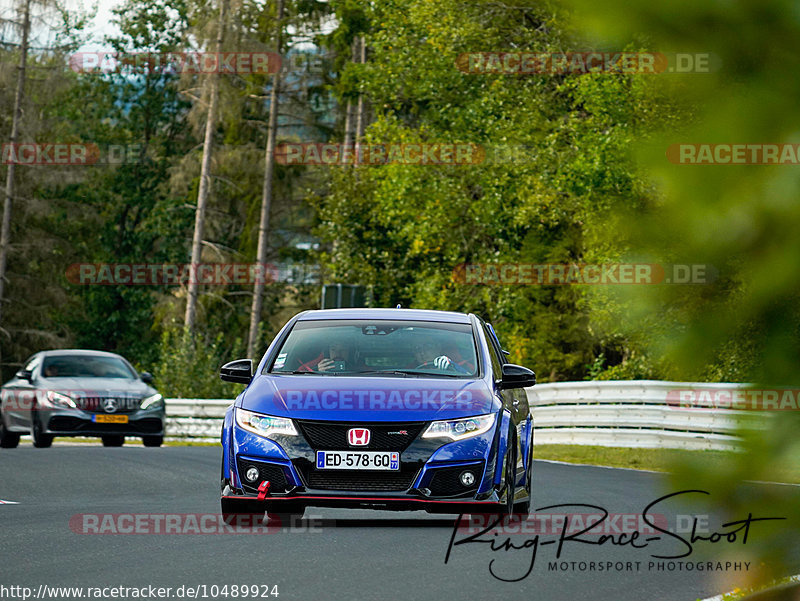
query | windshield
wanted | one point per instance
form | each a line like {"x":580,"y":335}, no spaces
{"x":86,"y":366}
{"x":378,"y":347}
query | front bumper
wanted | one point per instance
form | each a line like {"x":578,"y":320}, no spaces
{"x":388,"y":503}
{"x":76,"y":422}
{"x":428,"y":477}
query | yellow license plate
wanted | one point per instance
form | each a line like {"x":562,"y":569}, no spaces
{"x":111,"y":419}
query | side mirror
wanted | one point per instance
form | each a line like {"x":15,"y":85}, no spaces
{"x":240,"y":371}
{"x":25,"y":374}
{"x":516,"y":376}
{"x":146,"y":377}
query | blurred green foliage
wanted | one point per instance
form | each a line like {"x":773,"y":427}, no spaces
{"x":743,"y":219}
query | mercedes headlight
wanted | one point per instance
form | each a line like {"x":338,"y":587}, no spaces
{"x":264,"y":425}
{"x":459,"y":429}
{"x":154,"y":401}
{"x":59,"y":399}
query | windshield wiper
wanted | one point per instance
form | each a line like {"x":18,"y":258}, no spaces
{"x":303,"y":372}
{"x":410,"y":372}
{"x":394,"y":372}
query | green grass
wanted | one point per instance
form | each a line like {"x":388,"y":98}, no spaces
{"x":659,"y":460}
{"x":739,"y":593}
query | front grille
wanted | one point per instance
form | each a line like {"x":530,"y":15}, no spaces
{"x":272,"y":472}
{"x":328,"y":436}
{"x":360,"y":481}
{"x":96,"y":404}
{"x":446,"y":483}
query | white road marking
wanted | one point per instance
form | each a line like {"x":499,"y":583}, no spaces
{"x":605,"y":467}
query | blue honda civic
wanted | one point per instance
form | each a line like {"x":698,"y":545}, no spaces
{"x":393,"y":409}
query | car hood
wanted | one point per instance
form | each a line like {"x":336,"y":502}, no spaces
{"x":98,"y":386}
{"x":374,"y":399}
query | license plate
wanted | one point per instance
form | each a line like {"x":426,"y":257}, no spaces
{"x":358,"y":460}
{"x":110,"y":419}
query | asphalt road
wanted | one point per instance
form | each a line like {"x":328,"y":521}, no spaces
{"x":329,"y":555}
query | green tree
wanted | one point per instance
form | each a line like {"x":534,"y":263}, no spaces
{"x":556,"y":177}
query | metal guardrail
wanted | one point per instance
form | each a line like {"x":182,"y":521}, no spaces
{"x":635,"y":413}
{"x":195,"y":419}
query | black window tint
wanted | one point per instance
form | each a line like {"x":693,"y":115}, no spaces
{"x":498,"y":348}
{"x":87,"y":366}
{"x":370,"y":346}
{"x":494,"y":355}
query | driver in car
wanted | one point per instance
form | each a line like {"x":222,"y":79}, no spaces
{"x":51,"y":370}
{"x":429,"y":351}
{"x":336,"y":357}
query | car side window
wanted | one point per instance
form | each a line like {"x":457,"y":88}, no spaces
{"x":494,"y":356}
{"x":496,"y":344}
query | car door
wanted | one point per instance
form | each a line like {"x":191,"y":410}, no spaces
{"x":509,"y":398}
{"x":519,"y":397}
{"x":19,"y":395}
{"x":516,"y":400}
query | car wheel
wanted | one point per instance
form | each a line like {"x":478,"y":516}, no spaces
{"x":113,"y":440}
{"x":511,"y":470}
{"x":231,"y":509}
{"x":8,"y":440}
{"x":524,"y":507}
{"x":152,"y":441}
{"x":40,"y":439}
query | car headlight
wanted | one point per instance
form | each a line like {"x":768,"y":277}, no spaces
{"x":154,"y":401}
{"x":264,"y":425}
{"x":459,"y":429}
{"x":59,"y":399}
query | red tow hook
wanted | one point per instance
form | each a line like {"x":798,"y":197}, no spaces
{"x":263,"y":490}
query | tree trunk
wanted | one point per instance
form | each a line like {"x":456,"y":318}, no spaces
{"x":205,"y":180}
{"x":361,"y":114}
{"x":5,"y":229}
{"x":266,"y":197}
{"x":350,"y":115}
